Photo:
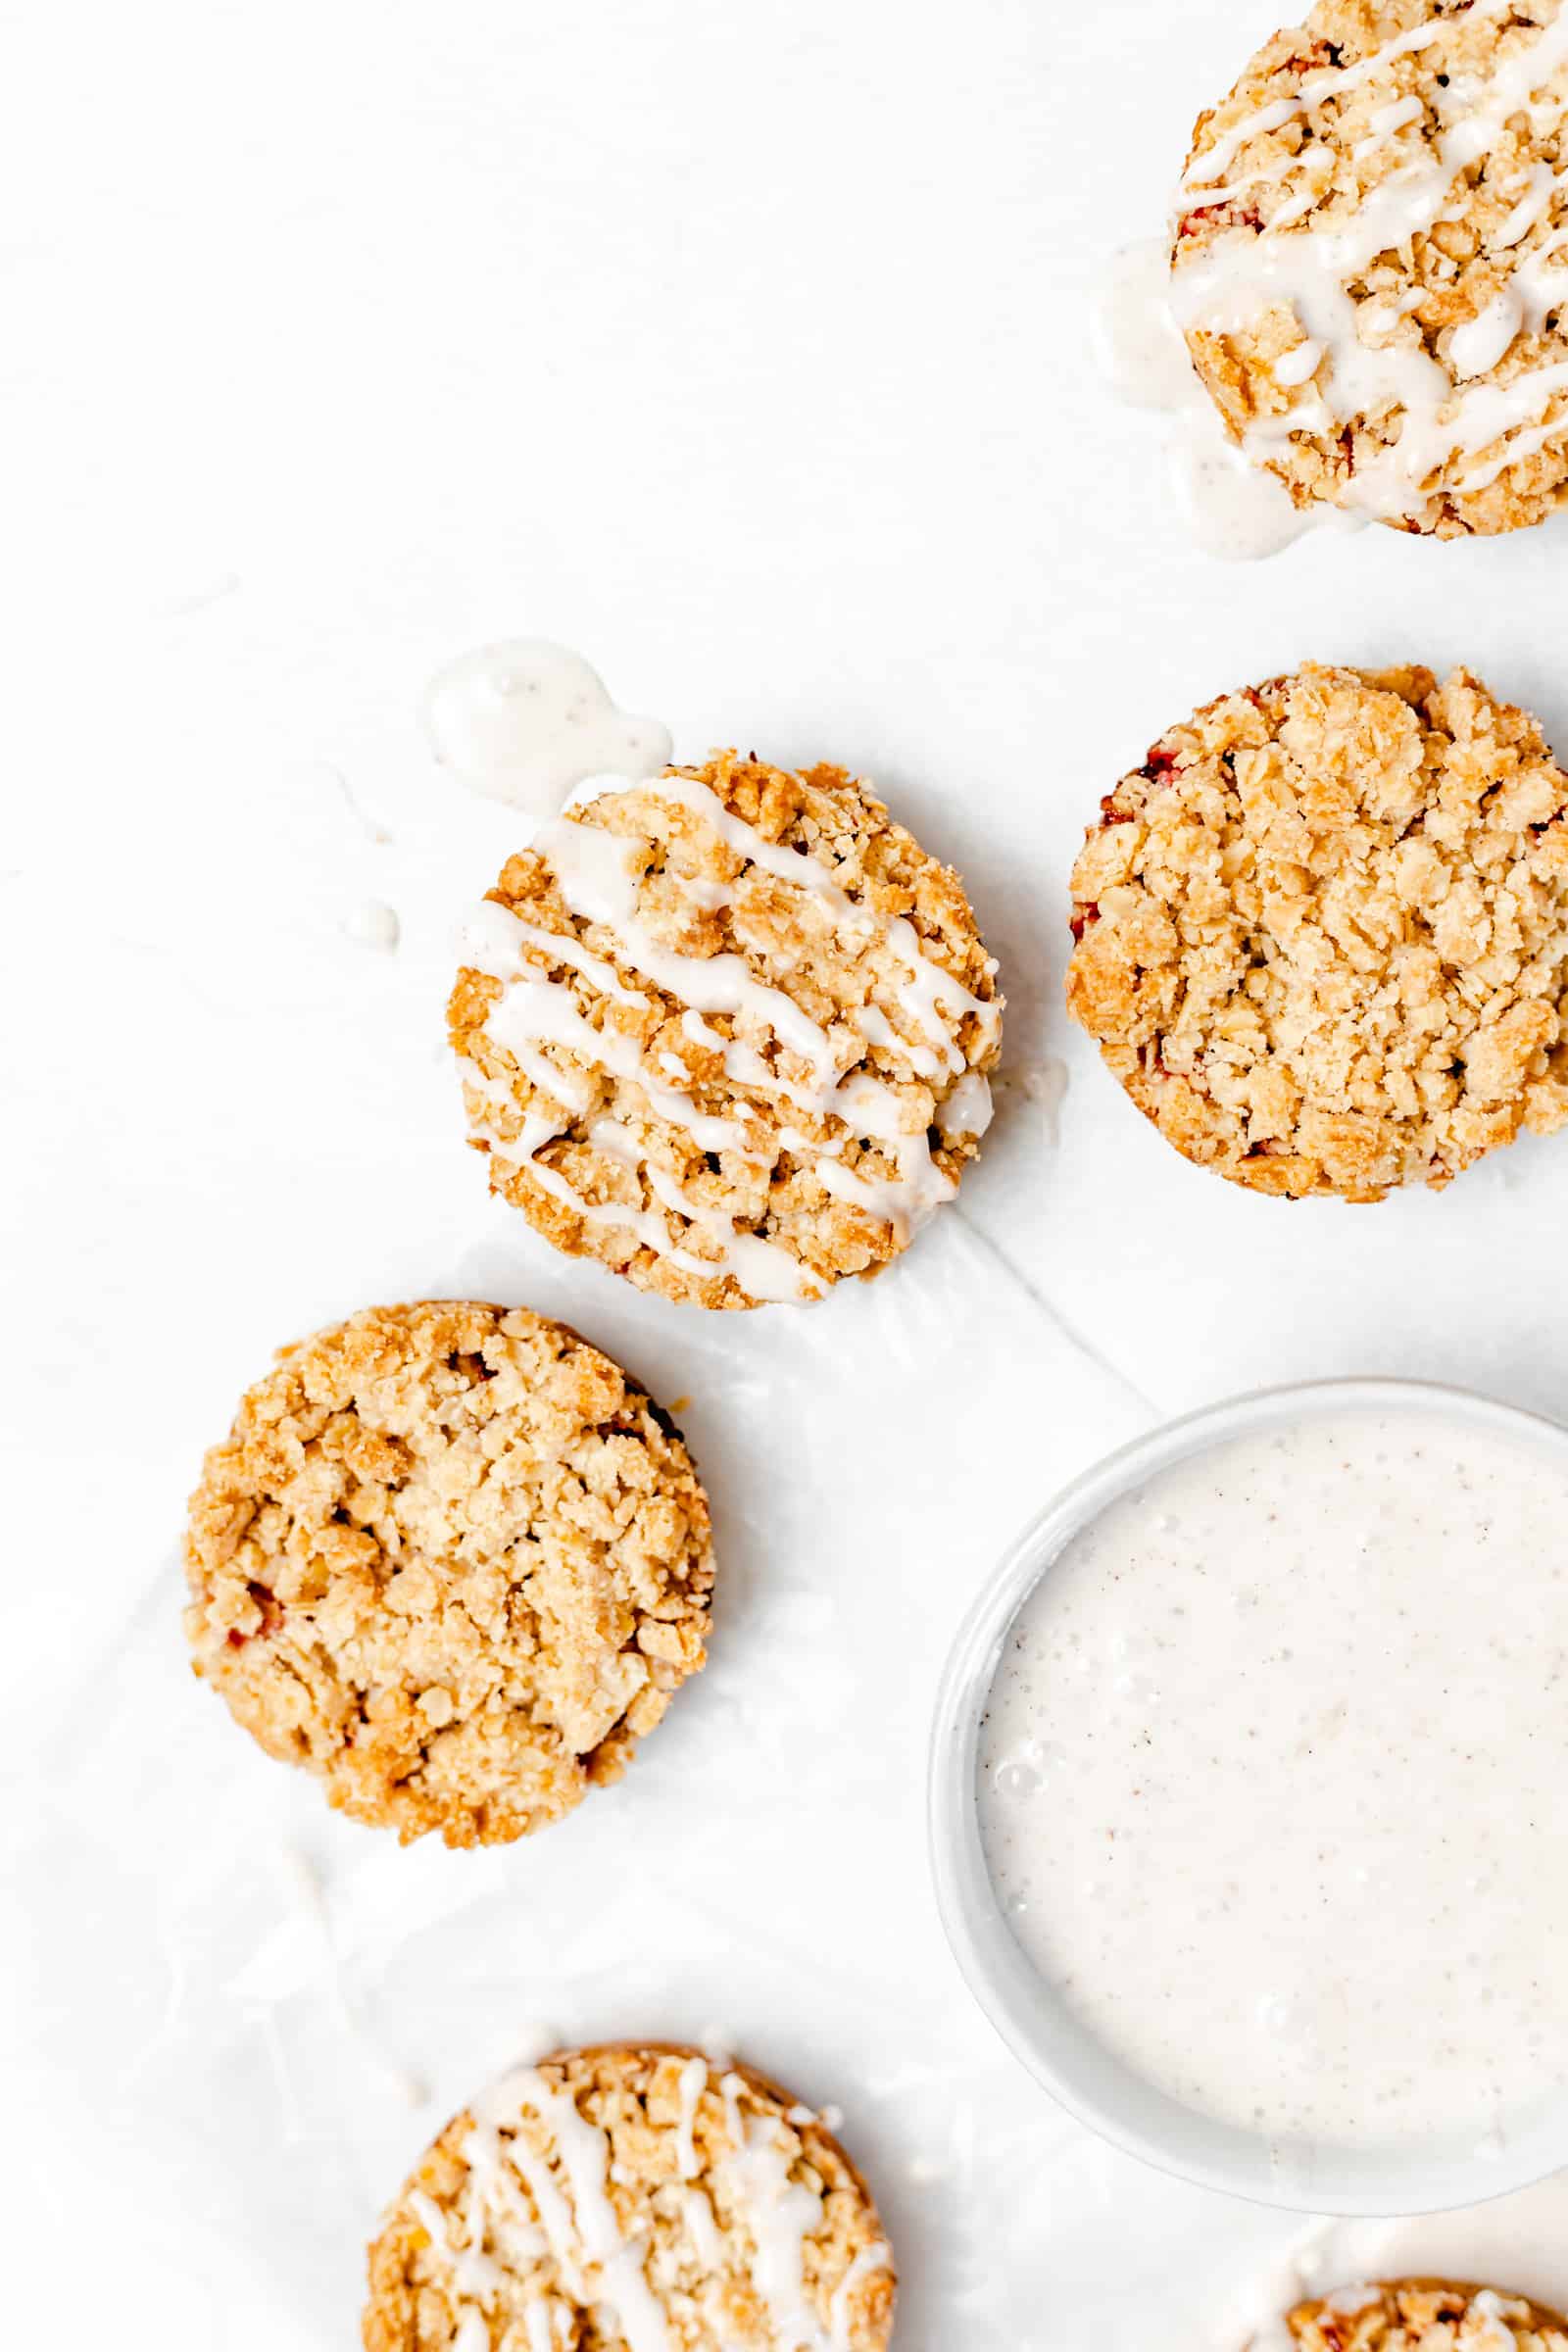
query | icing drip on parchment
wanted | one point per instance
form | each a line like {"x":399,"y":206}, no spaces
{"x":373,"y":924}
{"x":526,"y":720}
{"x":1230,"y":507}
{"x":537,"y":1019}
{"x":530,"y":2206}
{"x":1349,"y":361}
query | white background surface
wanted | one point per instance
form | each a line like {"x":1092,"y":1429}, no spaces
{"x":747,"y":349}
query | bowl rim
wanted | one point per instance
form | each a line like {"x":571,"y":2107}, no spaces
{"x":1362,"y":2184}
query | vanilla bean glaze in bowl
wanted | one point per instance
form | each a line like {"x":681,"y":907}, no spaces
{"x":1362,"y":2010}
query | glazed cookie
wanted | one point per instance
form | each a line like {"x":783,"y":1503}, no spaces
{"x":1420,"y":2315}
{"x":1371,"y":261}
{"x":727,"y":1031}
{"x":633,"y":2198}
{"x":1323,"y":932}
{"x":452,"y":1561}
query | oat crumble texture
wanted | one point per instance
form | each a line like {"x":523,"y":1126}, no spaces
{"x":726,"y":1031}
{"x":1322,"y":933}
{"x":1427,"y":2315}
{"x":452,"y":1561}
{"x":628,"y":2198}
{"x":1370,"y":260}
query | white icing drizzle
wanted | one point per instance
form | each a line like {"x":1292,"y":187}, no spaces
{"x":538,"y":2319}
{"x":526,"y":720}
{"x":492,"y":936}
{"x":1298,"y":365}
{"x":1387,"y":122}
{"x":904,"y":1201}
{"x":1475,"y":348}
{"x":593,"y":871}
{"x":1225,"y":287}
{"x":692,"y":2083}
{"x":542,"y":1011}
{"x":624,"y":2284}
{"x":702,"y":2228}
{"x":474,"y":2274}
{"x":1522,"y":445}
{"x":598,"y":875}
{"x":487,"y":2165}
{"x":867,"y":2262}
{"x":595,"y":874}
{"x":585,"y":2153}
{"x":780,"y":2215}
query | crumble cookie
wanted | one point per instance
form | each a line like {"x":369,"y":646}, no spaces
{"x":632,"y":2198}
{"x":727,"y":1031}
{"x":1323,"y":932}
{"x":1371,"y":261}
{"x":1424,"y":2314}
{"x":452,"y":1561}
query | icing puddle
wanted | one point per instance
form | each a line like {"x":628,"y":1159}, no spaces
{"x":526,"y":721}
{"x":1231,"y":508}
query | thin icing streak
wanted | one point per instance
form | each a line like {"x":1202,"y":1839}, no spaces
{"x":690,"y":2086}
{"x":540,"y":2324}
{"x":1240,"y":275}
{"x":780,"y":2214}
{"x":593,"y":873}
{"x":865,"y":2265}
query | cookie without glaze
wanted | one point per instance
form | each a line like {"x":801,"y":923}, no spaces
{"x":1323,"y":932}
{"x":632,"y":2198}
{"x":726,"y":1031}
{"x":1371,"y":261}
{"x":453,"y":1562}
{"x":1426,"y":2314}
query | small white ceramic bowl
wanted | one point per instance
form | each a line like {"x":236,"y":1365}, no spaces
{"x":1096,"y":2088}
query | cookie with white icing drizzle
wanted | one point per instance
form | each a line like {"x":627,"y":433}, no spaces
{"x":1370,"y":260}
{"x":726,"y":1030}
{"x":1417,"y":2314}
{"x":454,"y":1562}
{"x":636,"y":2197}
